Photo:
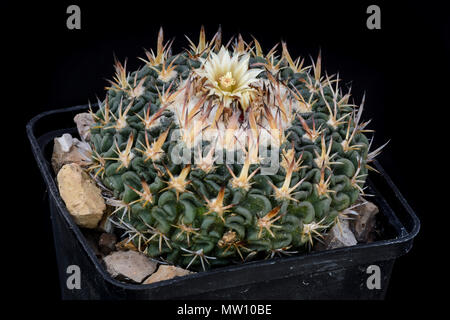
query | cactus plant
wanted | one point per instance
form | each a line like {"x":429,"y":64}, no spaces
{"x":222,"y":153}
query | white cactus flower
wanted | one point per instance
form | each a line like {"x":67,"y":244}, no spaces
{"x":229,"y":77}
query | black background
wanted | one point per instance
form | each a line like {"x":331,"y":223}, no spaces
{"x":402,"y":68}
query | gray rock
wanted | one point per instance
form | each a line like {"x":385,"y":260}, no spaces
{"x":70,"y":150}
{"x":364,"y":222}
{"x":129,"y":265}
{"x":338,"y":236}
{"x":84,"y":122}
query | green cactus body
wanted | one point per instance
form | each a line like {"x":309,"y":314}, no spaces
{"x":206,"y":212}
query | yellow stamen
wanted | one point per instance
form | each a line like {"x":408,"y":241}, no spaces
{"x":227,"y":80}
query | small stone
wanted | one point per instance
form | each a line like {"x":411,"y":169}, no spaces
{"x":364,"y":222}
{"x":166,"y":272}
{"x":65,"y":142}
{"x":69,"y":150}
{"x":129,"y":265}
{"x":125,"y":245}
{"x":107,"y":242}
{"x":82,"y":197}
{"x":84,"y":123}
{"x":338,"y":236}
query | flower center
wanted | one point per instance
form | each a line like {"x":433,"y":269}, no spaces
{"x":226,"y":81}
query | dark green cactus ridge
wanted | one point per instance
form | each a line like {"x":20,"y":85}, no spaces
{"x":178,"y":225}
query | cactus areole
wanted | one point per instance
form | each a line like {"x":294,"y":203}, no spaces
{"x":225,"y":153}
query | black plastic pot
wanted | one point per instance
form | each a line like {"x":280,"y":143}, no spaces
{"x":332,"y":274}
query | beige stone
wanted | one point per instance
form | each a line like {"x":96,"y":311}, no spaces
{"x":129,"y":264}
{"x":69,"y":150}
{"x":84,"y":122}
{"x":166,"y":272}
{"x":82,"y":197}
